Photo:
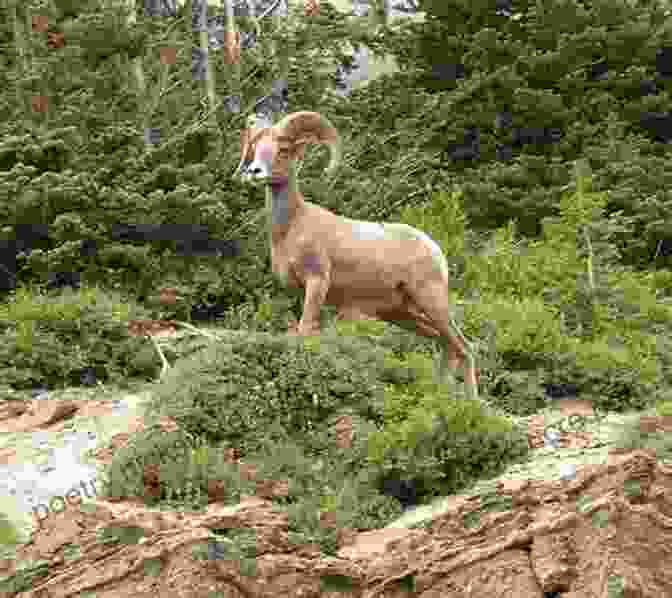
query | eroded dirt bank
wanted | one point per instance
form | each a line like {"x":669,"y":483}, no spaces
{"x":606,"y":532}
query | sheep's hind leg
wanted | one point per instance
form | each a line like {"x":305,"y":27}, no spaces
{"x":432,"y":298}
{"x":417,"y":322}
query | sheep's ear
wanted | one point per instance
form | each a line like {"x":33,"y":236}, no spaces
{"x":246,"y":137}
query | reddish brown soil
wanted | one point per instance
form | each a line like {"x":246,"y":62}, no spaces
{"x":609,"y":527}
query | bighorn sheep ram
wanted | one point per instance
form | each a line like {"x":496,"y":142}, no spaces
{"x":389,"y":271}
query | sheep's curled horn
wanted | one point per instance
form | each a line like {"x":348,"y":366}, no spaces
{"x":298,"y":129}
{"x":294,"y":132}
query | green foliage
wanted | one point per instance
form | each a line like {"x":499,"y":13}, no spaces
{"x":412,"y":378}
{"x":360,"y":328}
{"x":184,"y":468}
{"x":360,"y":508}
{"x":186,"y":465}
{"x":409,"y":370}
{"x":664,"y":408}
{"x":532,"y":349}
{"x":335,"y":482}
{"x":553,"y":266}
{"x":48,"y":339}
{"x":25,"y":577}
{"x":400,"y":342}
{"x":609,"y":376}
{"x":92,"y":160}
{"x":235,"y":389}
{"x":8,"y":532}
{"x":573,"y":330}
{"x":272,"y":314}
{"x":532,"y":66}
{"x":443,"y":219}
{"x":443,"y":445}
{"x":498,"y":268}
{"x":518,"y":392}
{"x":527,"y":331}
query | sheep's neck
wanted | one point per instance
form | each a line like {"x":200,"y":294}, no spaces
{"x":285,"y":202}
{"x":280,"y":204}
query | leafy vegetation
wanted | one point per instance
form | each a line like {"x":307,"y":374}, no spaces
{"x":235,"y":389}
{"x":78,"y":337}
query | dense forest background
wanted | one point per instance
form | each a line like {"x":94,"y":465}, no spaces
{"x":497,"y":117}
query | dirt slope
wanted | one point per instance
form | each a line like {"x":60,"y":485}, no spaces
{"x":602,"y":533}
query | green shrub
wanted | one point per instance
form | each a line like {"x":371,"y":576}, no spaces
{"x":412,"y":378}
{"x":185,"y":465}
{"x":8,"y":533}
{"x":233,"y":391}
{"x":443,"y":219}
{"x":124,"y":475}
{"x":499,"y":267}
{"x":527,"y":332}
{"x":46,"y":340}
{"x":385,"y":335}
{"x":518,"y":393}
{"x":606,"y":375}
{"x":145,"y":362}
{"x":443,"y":445}
{"x":25,"y":577}
{"x":333,"y":482}
{"x":356,"y":506}
{"x":273,"y":314}
{"x":371,"y":329}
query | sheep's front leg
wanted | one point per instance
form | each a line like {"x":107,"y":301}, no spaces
{"x":314,"y":273}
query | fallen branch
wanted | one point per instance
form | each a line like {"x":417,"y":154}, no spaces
{"x":194,"y":329}
{"x":165,"y":366}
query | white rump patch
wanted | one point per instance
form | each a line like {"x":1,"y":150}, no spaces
{"x":371,"y":231}
{"x":367,"y":231}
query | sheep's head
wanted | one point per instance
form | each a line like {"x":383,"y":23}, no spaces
{"x":257,"y":151}
{"x":266,"y":153}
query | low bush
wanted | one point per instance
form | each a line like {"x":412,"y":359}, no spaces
{"x":443,"y":445}
{"x":607,"y":376}
{"x":411,"y":379}
{"x":527,"y":332}
{"x":519,"y":393}
{"x":610,"y":377}
{"x":54,"y":341}
{"x":123,"y":477}
{"x":334,"y":482}
{"x":400,"y":342}
{"x":533,"y":349}
{"x":233,"y":391}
